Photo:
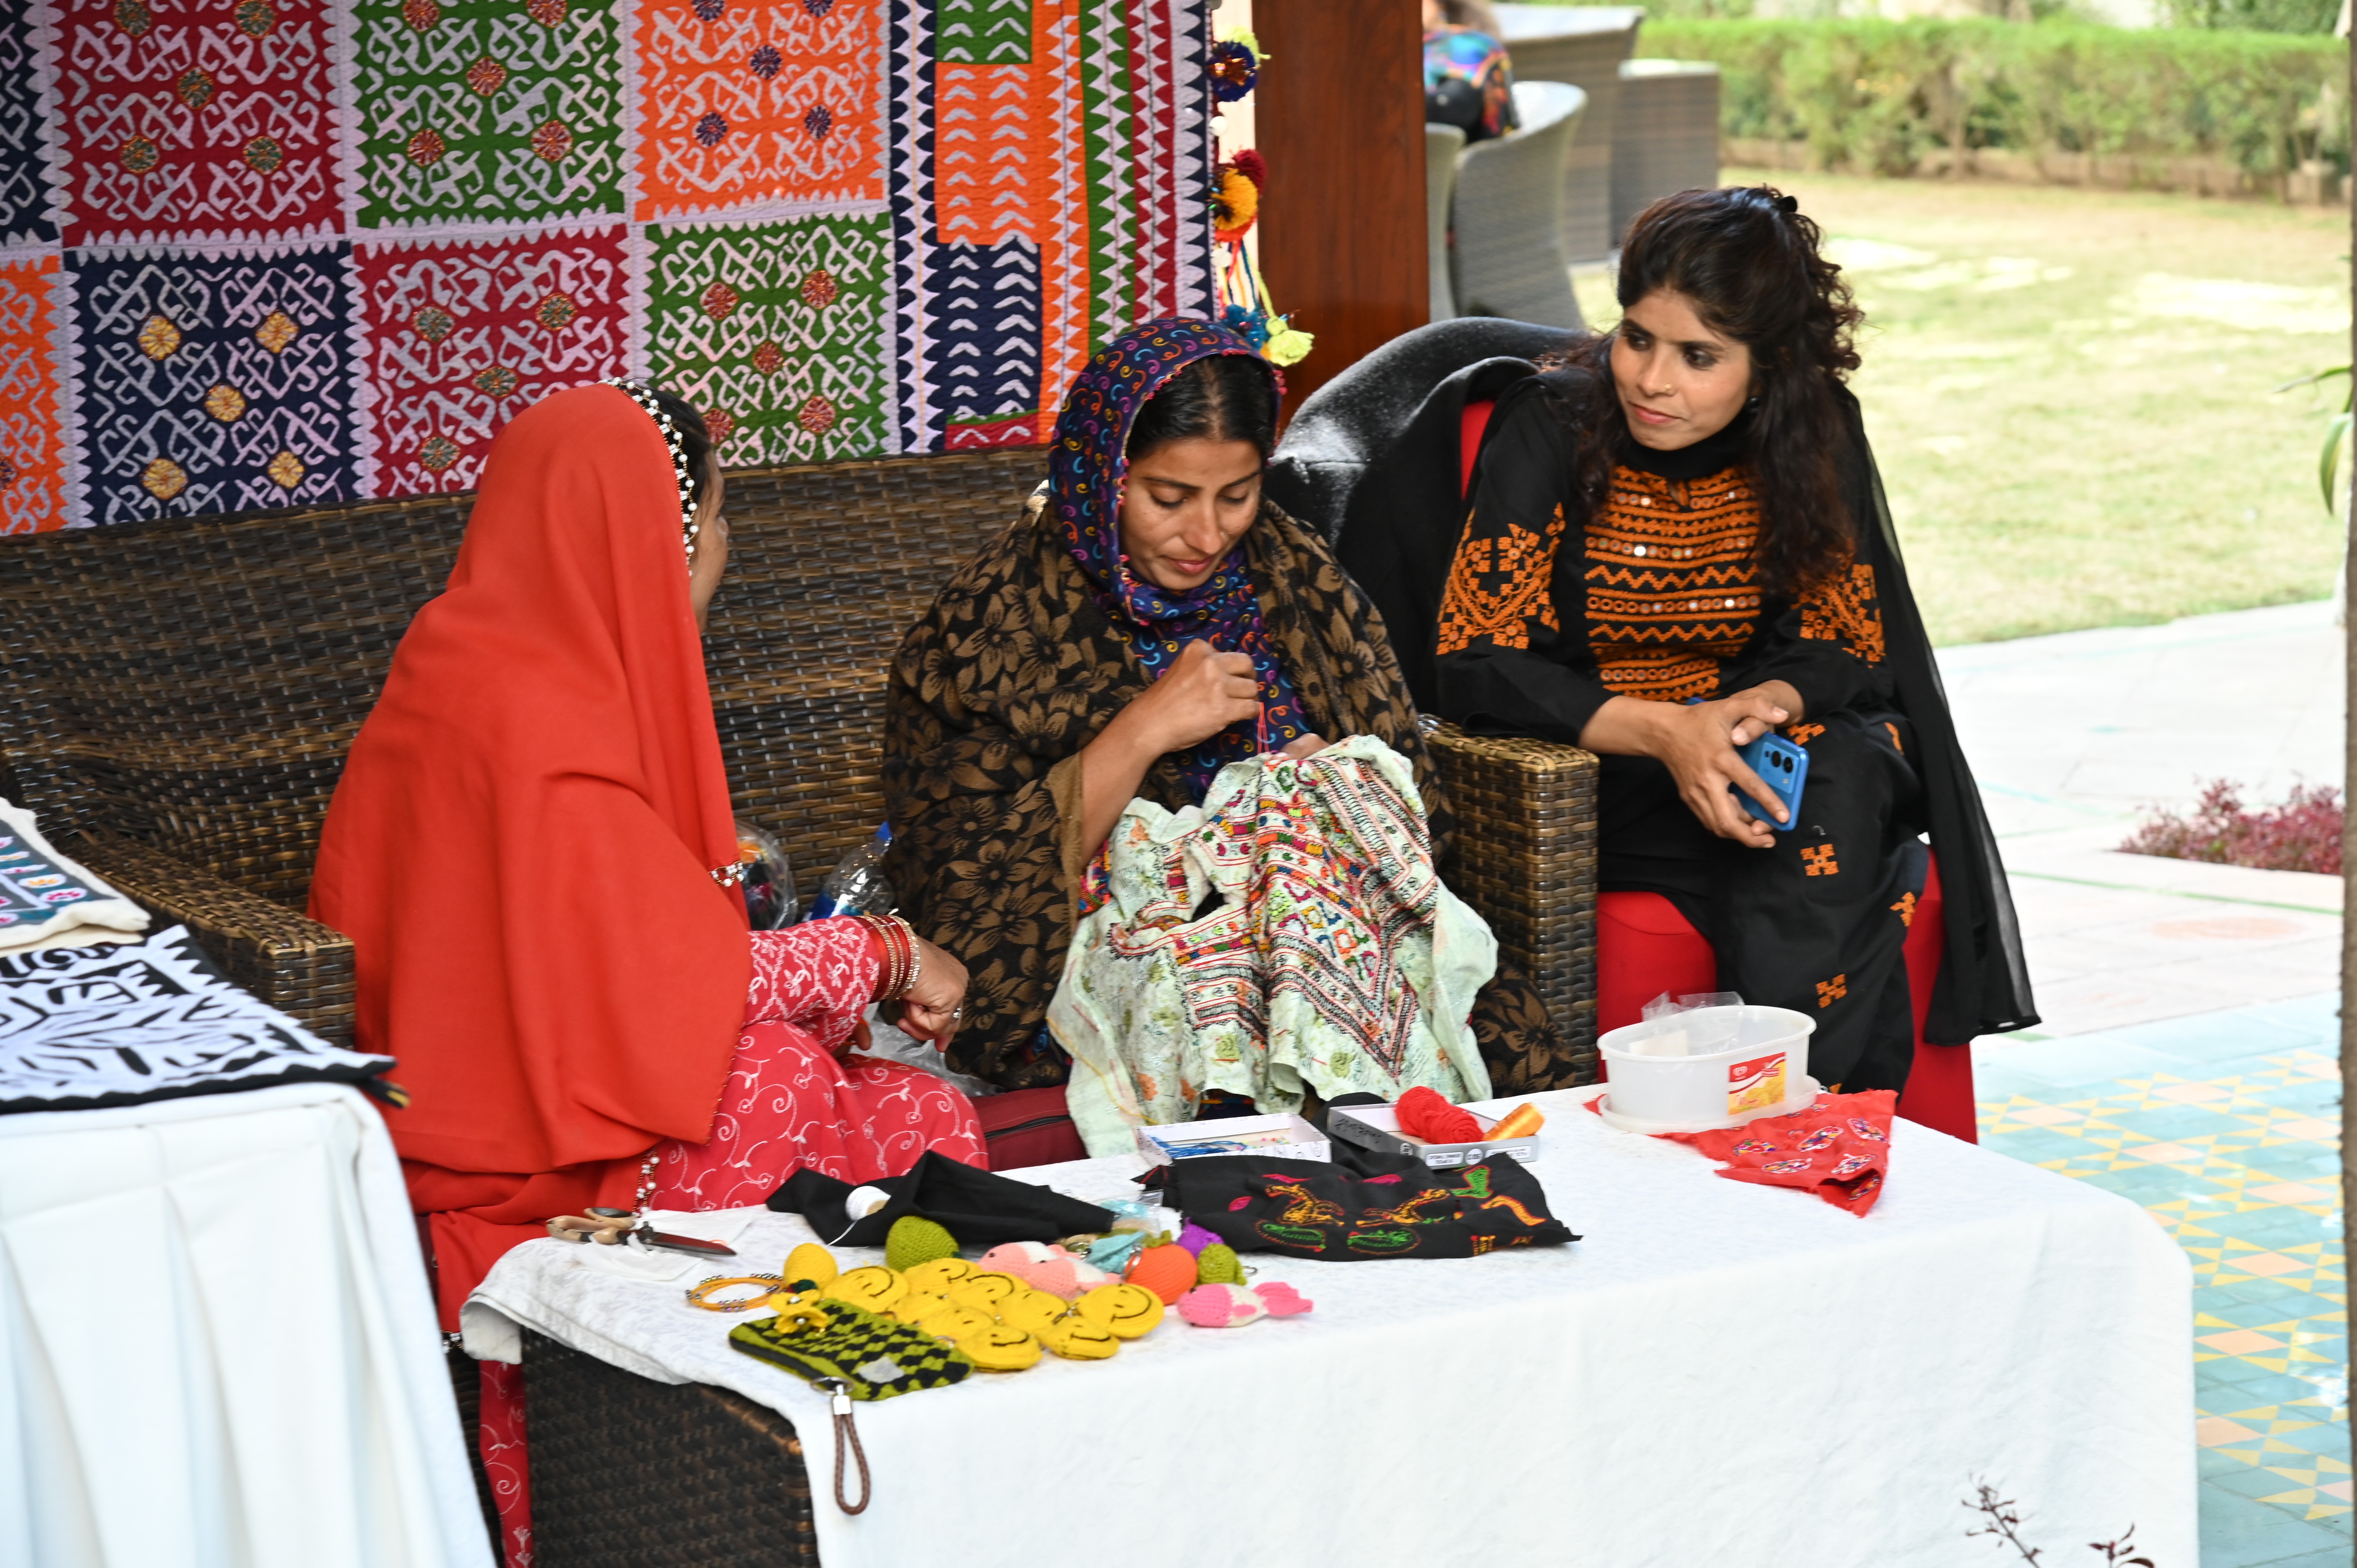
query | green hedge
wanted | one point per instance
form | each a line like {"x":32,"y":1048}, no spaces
{"x":1875,"y":95}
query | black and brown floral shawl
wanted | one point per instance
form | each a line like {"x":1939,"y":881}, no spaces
{"x":992,"y":697}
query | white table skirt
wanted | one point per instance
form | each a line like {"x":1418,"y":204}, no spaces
{"x":1719,"y":1373}
{"x":217,"y":1349}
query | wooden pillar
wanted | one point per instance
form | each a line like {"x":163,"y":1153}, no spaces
{"x":1340,"y":117}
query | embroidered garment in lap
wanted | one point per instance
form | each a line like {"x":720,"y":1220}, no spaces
{"x":1289,"y":934}
{"x":791,"y":1102}
{"x":1658,"y":596}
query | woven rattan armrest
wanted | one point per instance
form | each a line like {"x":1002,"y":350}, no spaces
{"x":291,"y":962}
{"x":1524,"y":858}
{"x":630,"y":1473}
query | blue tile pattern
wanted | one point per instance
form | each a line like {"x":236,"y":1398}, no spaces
{"x":2224,"y":1126}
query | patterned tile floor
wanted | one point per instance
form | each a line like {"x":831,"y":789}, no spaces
{"x":2223,"y":1125}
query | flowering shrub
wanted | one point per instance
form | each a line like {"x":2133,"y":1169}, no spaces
{"x":2301,"y":835}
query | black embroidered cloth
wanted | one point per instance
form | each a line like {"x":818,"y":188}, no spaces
{"x":118,"y":1025}
{"x":1313,"y":1210}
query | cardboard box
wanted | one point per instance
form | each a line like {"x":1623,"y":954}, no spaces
{"x":1377,"y":1127}
{"x":1282,"y":1137}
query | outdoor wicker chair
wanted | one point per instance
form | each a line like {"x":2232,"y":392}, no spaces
{"x":1667,"y":138}
{"x":1442,"y":143}
{"x":1506,"y":217}
{"x":1582,"y":45}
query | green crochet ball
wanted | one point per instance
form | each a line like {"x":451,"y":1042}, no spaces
{"x":1217,"y":1264}
{"x":915,"y":1240}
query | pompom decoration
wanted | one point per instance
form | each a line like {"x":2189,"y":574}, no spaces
{"x":1235,"y":203}
{"x":1194,"y":1238}
{"x":1282,"y":1300}
{"x":1252,"y":166}
{"x":1423,"y":1113}
{"x":1221,"y":1306}
{"x":1218,"y":1265}
{"x":1233,"y":69}
{"x":914,"y":1239}
{"x":1168,"y":1271}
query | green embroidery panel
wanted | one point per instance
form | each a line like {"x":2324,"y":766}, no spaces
{"x":777,"y":330}
{"x":982,"y":32}
{"x":488,"y":110}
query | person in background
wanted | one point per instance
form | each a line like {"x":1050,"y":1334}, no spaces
{"x":1468,"y":83}
{"x":1677,"y":544}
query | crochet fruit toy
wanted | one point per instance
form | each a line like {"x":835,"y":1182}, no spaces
{"x":1168,"y":1272}
{"x":1232,"y":1307}
{"x":1218,"y":1264}
{"x":915,"y":1240}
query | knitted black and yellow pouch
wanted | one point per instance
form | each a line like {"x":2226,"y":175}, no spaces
{"x":877,"y":1356}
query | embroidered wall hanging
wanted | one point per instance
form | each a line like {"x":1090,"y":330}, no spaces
{"x":273,"y":253}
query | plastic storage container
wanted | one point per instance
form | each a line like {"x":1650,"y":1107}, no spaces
{"x":1707,"y":1067}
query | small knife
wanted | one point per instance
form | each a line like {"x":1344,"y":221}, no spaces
{"x":701,"y":1248}
{"x":646,"y":1237}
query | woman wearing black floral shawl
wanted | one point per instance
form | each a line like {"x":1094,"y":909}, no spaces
{"x":1049,"y":645}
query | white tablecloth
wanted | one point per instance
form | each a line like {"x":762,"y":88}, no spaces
{"x":217,"y":1349}
{"x":1719,"y":1373}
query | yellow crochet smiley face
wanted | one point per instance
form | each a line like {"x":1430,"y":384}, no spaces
{"x":951,"y":1322}
{"x":874,"y":1287}
{"x":994,"y":1347}
{"x":1031,"y":1310}
{"x":1077,"y":1339}
{"x":937,"y":1274}
{"x":985,"y":1291}
{"x":1130,"y":1312}
{"x":917,"y":1305}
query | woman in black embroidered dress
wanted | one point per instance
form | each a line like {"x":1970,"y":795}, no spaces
{"x":1677,"y":544}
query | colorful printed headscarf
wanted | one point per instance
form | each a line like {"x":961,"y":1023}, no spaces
{"x":1086,"y":470}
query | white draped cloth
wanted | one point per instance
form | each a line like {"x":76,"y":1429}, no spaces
{"x":217,"y":1348}
{"x":1719,"y":1373}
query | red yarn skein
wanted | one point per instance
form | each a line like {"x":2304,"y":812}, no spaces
{"x":1423,"y":1113}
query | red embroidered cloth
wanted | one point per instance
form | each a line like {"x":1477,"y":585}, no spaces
{"x":1838,"y":1148}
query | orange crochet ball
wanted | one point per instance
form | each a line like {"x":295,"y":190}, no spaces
{"x":1168,"y":1272}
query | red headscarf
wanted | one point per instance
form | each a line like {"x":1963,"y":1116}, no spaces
{"x":522,"y":845}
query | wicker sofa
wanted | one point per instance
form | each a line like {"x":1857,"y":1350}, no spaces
{"x":179,"y":696}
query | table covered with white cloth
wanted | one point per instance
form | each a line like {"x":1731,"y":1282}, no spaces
{"x":1717,"y":1373}
{"x":216,"y":1345}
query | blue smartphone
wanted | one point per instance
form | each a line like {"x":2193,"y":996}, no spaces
{"x":1783,"y":768}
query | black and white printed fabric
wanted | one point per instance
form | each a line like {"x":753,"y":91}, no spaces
{"x":49,"y":901}
{"x":82,"y":1028}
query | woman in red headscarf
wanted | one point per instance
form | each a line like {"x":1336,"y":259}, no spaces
{"x":533,"y":854}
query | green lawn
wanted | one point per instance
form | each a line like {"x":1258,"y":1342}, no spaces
{"x":2070,"y":394}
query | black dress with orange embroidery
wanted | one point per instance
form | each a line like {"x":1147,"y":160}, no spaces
{"x":1554,"y":607}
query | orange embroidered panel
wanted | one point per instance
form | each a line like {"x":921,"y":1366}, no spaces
{"x":1845,"y":609}
{"x":1497,"y":584}
{"x":1672,"y":588}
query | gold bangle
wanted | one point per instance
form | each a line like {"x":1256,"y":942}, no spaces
{"x":696,"y":1295}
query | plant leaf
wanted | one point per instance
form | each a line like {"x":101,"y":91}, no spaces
{"x":2317,"y":380}
{"x":2328,"y":464}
